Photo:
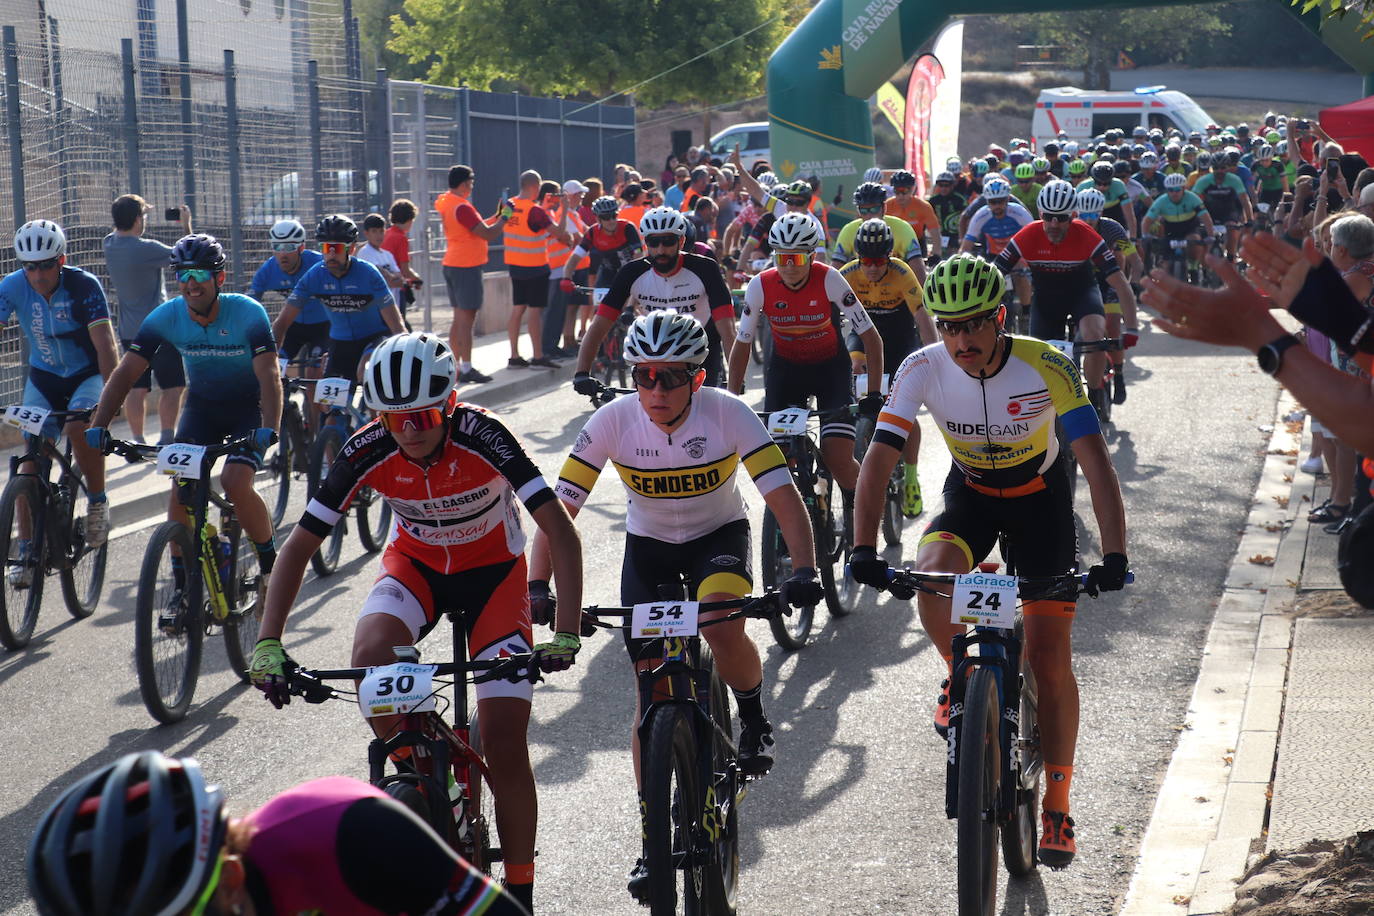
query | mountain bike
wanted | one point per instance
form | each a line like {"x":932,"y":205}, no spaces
{"x":344,"y":415}
{"x":445,"y":781}
{"x":609,"y":364}
{"x":993,"y":759}
{"x":691,"y":783}
{"x":173,"y":614}
{"x":893,"y":494}
{"x":1101,"y":401}
{"x":797,"y":438}
{"x":43,"y":530}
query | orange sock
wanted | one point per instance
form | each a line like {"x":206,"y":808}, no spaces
{"x":519,"y":874}
{"x":1057,"y":781}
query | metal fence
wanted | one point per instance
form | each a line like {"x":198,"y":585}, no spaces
{"x":499,"y":135}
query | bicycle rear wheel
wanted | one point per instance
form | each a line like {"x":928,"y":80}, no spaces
{"x":673,"y":802}
{"x":169,"y":627}
{"x":979,"y":781}
{"x":327,"y":445}
{"x":794,"y":629}
{"x":21,"y":595}
{"x":374,"y":519}
{"x":245,"y":611}
{"x":83,"y":573}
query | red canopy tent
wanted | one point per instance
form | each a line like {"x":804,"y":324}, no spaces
{"x":1352,"y":126}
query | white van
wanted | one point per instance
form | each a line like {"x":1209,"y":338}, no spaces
{"x":1082,"y":114}
{"x":282,"y":199}
{"x":752,"y":138}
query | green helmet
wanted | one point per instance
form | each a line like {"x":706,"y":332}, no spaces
{"x":1040,"y":164}
{"x":1024,"y":172}
{"x":1077,"y":167}
{"x":963,"y":286}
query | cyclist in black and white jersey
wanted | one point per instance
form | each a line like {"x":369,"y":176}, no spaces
{"x":667,"y":278}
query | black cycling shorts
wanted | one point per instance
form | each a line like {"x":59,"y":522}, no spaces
{"x":1049,"y":320}
{"x":897,"y":328}
{"x":347,"y":356}
{"x":207,"y":422}
{"x":1176,"y":230}
{"x":313,"y":336}
{"x":1041,"y":539}
{"x":789,"y":384}
{"x":711,"y":564}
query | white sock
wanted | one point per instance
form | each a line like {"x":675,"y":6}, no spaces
{"x":464,"y":365}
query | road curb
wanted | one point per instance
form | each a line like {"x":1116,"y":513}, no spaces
{"x":1212,"y":806}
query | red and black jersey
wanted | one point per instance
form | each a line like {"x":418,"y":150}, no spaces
{"x":609,"y":251}
{"x":1068,"y":268}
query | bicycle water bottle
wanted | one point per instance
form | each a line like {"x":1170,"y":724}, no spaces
{"x":223,"y":553}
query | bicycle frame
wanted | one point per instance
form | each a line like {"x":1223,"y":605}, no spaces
{"x":43,"y":454}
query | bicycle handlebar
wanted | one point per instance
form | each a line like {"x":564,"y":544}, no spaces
{"x":134,"y":451}
{"x":605,"y":394}
{"x":922,"y":581}
{"x":765,"y":607}
{"x":308,"y":683}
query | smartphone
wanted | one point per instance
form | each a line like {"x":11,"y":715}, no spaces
{"x":172,"y":214}
{"x":1333,"y":168}
{"x":1301,"y":125}
{"x":506,"y":209}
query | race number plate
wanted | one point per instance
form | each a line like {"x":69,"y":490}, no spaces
{"x":861,"y":384}
{"x":1063,"y":346}
{"x":390,"y":690}
{"x":331,"y":392}
{"x":181,"y":459}
{"x":599,"y":293}
{"x":29,"y":419}
{"x":984,"y":600}
{"x":655,"y":619}
{"x":788,"y":422}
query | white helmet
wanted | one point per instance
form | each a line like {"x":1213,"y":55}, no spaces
{"x":1091,"y":200}
{"x":1148,"y":160}
{"x":1174,"y":181}
{"x":794,"y":232}
{"x":1071,"y":147}
{"x":663,"y":219}
{"x":873,"y":173}
{"x":1056,"y":197}
{"x":409,"y":372}
{"x":39,"y":240}
{"x":767,"y":179}
{"x":286,"y":230}
{"x":665,"y":337}
{"x":996,"y":189}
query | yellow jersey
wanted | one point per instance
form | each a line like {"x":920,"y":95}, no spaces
{"x":898,"y":287}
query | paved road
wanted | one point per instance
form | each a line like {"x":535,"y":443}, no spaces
{"x":851,"y":820}
{"x":1319,"y":87}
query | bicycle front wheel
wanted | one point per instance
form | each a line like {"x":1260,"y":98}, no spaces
{"x":83,"y":573}
{"x":327,"y":445}
{"x":979,"y":781}
{"x":169,"y":625}
{"x":22,"y":543}
{"x":673,"y":802}
{"x":794,"y":629}
{"x":723,"y":878}
{"x":374,"y":519}
{"x":277,"y":475}
{"x":480,"y":811}
{"x":892,"y":506}
{"x":245,"y":610}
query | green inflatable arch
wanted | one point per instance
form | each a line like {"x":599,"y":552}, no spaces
{"x":821,"y":77}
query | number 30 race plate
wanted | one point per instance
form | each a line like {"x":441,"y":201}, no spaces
{"x":390,"y":690}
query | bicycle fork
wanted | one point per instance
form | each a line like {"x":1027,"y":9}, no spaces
{"x":999,"y":652}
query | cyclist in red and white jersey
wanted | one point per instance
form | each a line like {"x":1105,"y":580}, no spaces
{"x":453,"y":474}
{"x":803,"y":302}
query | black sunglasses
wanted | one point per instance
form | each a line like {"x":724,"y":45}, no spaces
{"x":971,"y":325}
{"x":661,"y":241}
{"x":668,"y":379}
{"x":49,"y":264}
{"x":1058,"y":217}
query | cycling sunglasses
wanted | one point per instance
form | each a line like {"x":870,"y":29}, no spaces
{"x":873,"y":262}
{"x":1058,"y":217}
{"x":194,"y":274}
{"x":285,"y":246}
{"x":334,"y":247}
{"x":661,"y":241}
{"x":668,"y":379}
{"x":49,"y":264}
{"x":416,"y":420}
{"x":792,"y":258}
{"x":969,"y":325}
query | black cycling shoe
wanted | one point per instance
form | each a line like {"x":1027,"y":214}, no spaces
{"x":639,"y":882}
{"x":755,"y":747}
{"x":1118,"y":388}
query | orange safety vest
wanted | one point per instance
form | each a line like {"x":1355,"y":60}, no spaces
{"x":633,"y":215}
{"x":557,"y":251}
{"x":524,"y":246}
{"x":464,"y":247}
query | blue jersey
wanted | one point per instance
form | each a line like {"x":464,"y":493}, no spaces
{"x":58,"y":328}
{"x":354,"y":302}
{"x":218,"y":356}
{"x":271,"y":278}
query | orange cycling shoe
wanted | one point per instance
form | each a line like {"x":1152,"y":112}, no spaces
{"x":1057,"y":846}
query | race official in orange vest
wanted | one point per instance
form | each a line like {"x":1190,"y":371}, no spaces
{"x":560,"y":319}
{"x":526,"y":237}
{"x":465,"y":256}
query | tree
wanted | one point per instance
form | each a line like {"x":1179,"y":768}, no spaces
{"x":1092,"y":38}
{"x":374,"y":31}
{"x":597,"y":46}
{"x":1340,"y":9}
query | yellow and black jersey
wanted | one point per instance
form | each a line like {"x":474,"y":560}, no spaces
{"x":898,"y":288}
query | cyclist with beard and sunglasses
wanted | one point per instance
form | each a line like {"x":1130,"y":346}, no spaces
{"x":670,"y":279}
{"x":454,"y":476}
{"x":677,"y":448}
{"x":995,"y":399}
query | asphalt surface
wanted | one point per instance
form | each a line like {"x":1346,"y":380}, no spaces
{"x":851,"y":819}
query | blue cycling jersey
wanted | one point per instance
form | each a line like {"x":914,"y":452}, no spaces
{"x":58,"y":328}
{"x":218,"y":356}
{"x":354,"y":302}
{"x":271,"y":278}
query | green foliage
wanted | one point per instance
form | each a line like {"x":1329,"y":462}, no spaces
{"x":597,"y":46}
{"x":374,"y":31}
{"x":1339,"y":9}
{"x":1092,"y":38}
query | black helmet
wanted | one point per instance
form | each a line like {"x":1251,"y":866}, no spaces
{"x":874,"y":239}
{"x":199,"y":250}
{"x":869,"y":194}
{"x":336,"y":228}
{"x":140,"y":835}
{"x":903,"y":179}
{"x":1122,"y":168}
{"x":605,"y":206}
{"x":1102,"y":171}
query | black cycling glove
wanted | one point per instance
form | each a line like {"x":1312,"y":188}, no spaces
{"x":1108,"y":576}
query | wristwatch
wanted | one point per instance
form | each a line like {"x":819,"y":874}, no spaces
{"x":1270,"y":355}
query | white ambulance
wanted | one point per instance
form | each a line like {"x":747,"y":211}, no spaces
{"x":1081,"y":114}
